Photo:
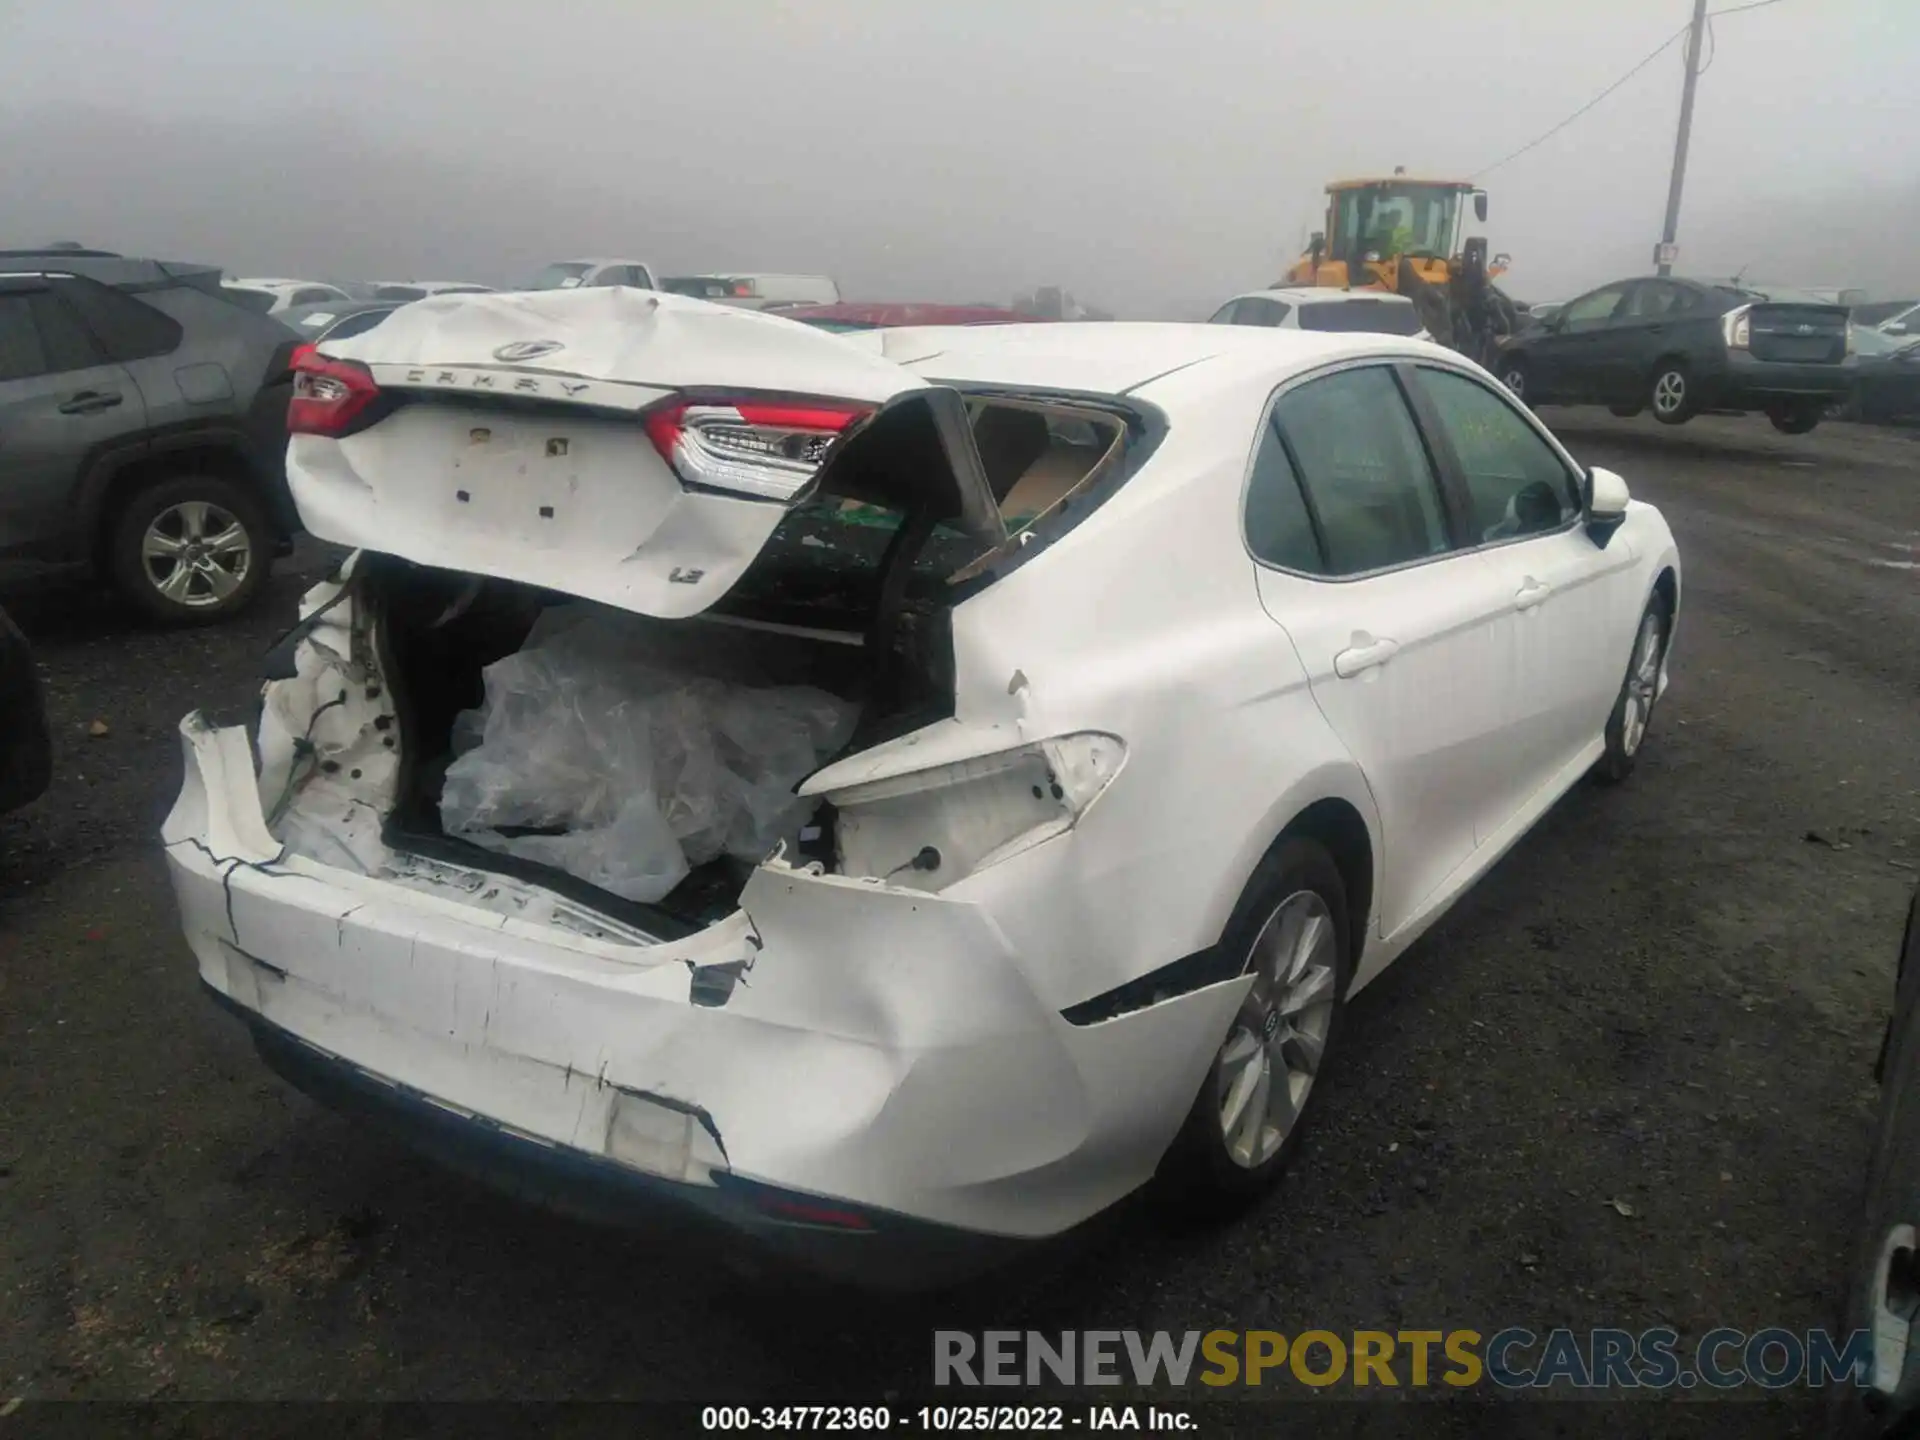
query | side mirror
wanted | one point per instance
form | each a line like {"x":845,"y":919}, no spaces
{"x":1606,"y":497}
{"x":1480,"y":205}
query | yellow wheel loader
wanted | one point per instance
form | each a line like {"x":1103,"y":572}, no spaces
{"x":1403,"y":235}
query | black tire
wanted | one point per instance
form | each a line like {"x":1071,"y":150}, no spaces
{"x":1624,"y":740}
{"x":1626,"y":412}
{"x":1796,"y":417}
{"x":1670,"y":392}
{"x":166,"y":507}
{"x":1891,"y":1181}
{"x":1199,"y":1175}
{"x":1512,"y":371}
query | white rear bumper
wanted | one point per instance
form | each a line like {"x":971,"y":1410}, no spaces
{"x":884,"y":1048}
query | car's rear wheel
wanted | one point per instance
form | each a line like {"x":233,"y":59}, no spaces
{"x":1670,"y":393}
{"x":1633,"y":709}
{"x":1513,"y":375}
{"x":1290,"y":932}
{"x":1796,"y":417}
{"x":191,"y":550}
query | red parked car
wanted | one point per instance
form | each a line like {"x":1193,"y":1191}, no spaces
{"x":861,"y":315}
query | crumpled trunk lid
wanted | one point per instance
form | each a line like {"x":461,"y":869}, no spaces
{"x":531,"y":437}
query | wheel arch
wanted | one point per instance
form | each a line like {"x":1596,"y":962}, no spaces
{"x":115,"y":483}
{"x":1335,"y":809}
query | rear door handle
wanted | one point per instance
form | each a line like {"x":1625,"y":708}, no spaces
{"x":1363,"y":653}
{"x":1530,"y":594}
{"x":89,"y":401}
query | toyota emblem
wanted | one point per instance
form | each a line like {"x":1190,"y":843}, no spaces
{"x":527,"y":349}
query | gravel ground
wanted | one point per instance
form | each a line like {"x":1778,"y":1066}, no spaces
{"x":1626,"y":1083}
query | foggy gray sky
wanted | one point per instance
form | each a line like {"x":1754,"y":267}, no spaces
{"x":1151,"y":158}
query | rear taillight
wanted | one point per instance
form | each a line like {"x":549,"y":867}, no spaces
{"x":793,"y":1210}
{"x":329,"y":395}
{"x":742,"y":290}
{"x":770,"y":450}
{"x":1736,"y":327}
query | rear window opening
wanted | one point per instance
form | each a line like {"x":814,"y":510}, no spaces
{"x":1375,"y":317}
{"x":644,"y":767}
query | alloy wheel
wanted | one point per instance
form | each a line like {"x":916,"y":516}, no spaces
{"x":1516,"y":381}
{"x":1669,"y":392}
{"x":1274,"y":1052}
{"x":1643,"y":682}
{"x":196,"y":554}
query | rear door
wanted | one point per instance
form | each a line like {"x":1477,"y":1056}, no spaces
{"x":1567,"y":362}
{"x":1568,"y":609}
{"x":1646,"y":329}
{"x":62,"y":403}
{"x":1393,"y":622}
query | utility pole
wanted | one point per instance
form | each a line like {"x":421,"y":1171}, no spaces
{"x":1663,"y":256}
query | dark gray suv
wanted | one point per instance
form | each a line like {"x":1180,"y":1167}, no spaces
{"x":142,"y":429}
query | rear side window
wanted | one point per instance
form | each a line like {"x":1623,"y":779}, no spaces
{"x":313,"y":296}
{"x":1515,"y":482}
{"x":1378,"y":317}
{"x":1366,"y":473}
{"x":398,"y":292}
{"x":21,"y":354}
{"x":41,"y":336}
{"x":1279,"y":527}
{"x":1258,"y":310}
{"x":126,"y":328}
{"x":63,"y":338}
{"x":258,"y":301}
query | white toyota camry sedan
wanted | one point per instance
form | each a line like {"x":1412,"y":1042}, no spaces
{"x":896,"y":794}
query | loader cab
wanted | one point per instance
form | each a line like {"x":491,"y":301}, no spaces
{"x":1375,"y":220}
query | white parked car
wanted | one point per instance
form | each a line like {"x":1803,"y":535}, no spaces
{"x":692,"y":790}
{"x":406,"y":290}
{"x":577,"y":274}
{"x":1313,"y":308}
{"x":275,"y":296}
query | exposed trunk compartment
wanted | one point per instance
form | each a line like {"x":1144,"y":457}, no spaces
{"x":647,"y":765}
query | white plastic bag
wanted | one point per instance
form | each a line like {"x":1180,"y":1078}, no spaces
{"x":632,"y":770}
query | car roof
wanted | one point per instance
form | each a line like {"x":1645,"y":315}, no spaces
{"x":1114,"y":357}
{"x":601,"y":260}
{"x":1319,"y":295}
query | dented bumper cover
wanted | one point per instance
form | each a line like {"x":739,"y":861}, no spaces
{"x":839,"y":1061}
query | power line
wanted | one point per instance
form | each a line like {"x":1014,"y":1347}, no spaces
{"x":1649,"y":58}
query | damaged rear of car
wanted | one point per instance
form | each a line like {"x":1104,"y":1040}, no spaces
{"x":604,"y":812}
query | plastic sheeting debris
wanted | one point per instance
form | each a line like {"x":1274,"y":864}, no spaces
{"x":624,"y":772}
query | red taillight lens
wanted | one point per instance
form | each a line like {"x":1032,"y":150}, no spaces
{"x":770,"y":450}
{"x":300,"y":352}
{"x":741,"y":289}
{"x":328,"y":395}
{"x":806,"y":1212}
